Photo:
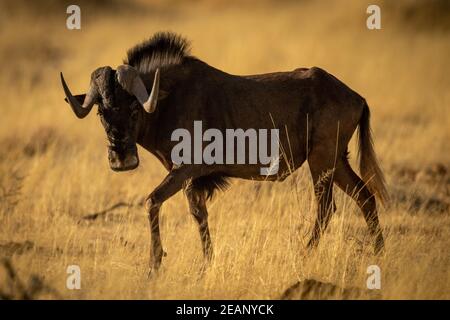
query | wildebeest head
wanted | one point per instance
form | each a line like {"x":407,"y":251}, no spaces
{"x":121,"y":98}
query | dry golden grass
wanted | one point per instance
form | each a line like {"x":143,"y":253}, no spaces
{"x":54,"y":170}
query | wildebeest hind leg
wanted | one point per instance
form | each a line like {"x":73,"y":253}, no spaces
{"x":322,"y":174}
{"x":352,"y":184}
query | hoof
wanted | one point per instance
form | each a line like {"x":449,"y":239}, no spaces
{"x":312,"y":244}
{"x":155,"y":265}
{"x":378,"y":250}
{"x":152,"y":272}
{"x":379,"y":246}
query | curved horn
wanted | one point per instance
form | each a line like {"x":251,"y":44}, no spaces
{"x":150,"y":104}
{"x":129,"y":79}
{"x":80,"y":111}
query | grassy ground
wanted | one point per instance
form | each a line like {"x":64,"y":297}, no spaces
{"x":54,"y":170}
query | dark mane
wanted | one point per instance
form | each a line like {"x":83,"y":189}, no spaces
{"x":162,"y":49}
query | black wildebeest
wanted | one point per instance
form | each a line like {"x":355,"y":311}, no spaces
{"x":316,"y":115}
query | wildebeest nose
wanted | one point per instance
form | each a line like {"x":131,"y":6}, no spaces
{"x":123,"y":161}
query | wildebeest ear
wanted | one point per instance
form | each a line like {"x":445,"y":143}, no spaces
{"x":79,"y":97}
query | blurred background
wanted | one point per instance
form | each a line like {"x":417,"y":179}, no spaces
{"x":54,"y":170}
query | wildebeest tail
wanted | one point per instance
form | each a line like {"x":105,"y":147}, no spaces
{"x":369,"y":168}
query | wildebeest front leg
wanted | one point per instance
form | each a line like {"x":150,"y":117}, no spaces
{"x":171,"y":184}
{"x":156,"y":253}
{"x":197,"y":207}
